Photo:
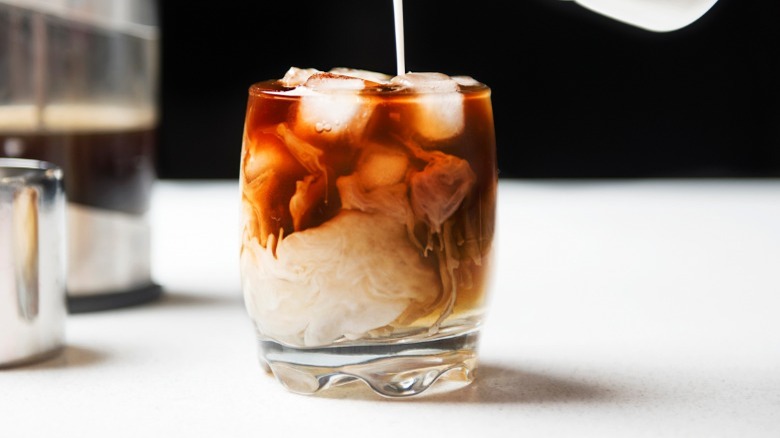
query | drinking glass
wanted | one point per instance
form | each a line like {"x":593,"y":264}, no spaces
{"x":367,"y":223}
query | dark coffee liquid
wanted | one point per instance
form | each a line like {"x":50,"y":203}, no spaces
{"x":107,"y":155}
{"x":111,"y":170}
{"x":390,"y":125}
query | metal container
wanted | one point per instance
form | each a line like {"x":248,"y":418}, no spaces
{"x":32,"y":261}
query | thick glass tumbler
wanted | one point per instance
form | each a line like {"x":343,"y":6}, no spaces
{"x":368,"y":214}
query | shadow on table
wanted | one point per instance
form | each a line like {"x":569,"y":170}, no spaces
{"x":75,"y":356}
{"x":169,"y":298}
{"x":71,"y":356}
{"x":178,"y":298}
{"x":498,"y":385}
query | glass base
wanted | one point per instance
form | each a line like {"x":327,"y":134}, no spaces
{"x":390,"y":370}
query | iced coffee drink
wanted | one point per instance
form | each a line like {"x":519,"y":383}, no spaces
{"x":368,"y":213}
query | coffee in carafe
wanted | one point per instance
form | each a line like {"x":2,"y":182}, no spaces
{"x":78,"y":88}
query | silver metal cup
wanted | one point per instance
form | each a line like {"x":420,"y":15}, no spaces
{"x":32,"y":261}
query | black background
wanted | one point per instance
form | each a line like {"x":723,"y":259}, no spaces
{"x":575,"y":94}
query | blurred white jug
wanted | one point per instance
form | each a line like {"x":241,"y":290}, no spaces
{"x":652,"y":15}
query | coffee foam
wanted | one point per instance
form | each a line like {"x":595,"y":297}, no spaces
{"x":76,"y":117}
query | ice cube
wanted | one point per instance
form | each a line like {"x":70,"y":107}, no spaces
{"x":466,"y":81}
{"x":324,"y":81}
{"x":268,"y":175}
{"x":310,"y":197}
{"x":297,"y":76}
{"x":379,"y":185}
{"x":380,"y":166}
{"x":367,"y":75}
{"x":390,"y":200}
{"x":354,"y":274}
{"x":333,"y":106}
{"x":438,"y":190}
{"x":426,"y":82}
{"x":438,"y":113}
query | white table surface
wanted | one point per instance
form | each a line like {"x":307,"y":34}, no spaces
{"x":625,"y":309}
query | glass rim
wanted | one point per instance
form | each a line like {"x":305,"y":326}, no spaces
{"x":272,"y":88}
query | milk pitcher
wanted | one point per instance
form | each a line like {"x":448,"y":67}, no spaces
{"x":32,"y":261}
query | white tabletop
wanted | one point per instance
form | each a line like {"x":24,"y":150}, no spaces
{"x":626,"y":308}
